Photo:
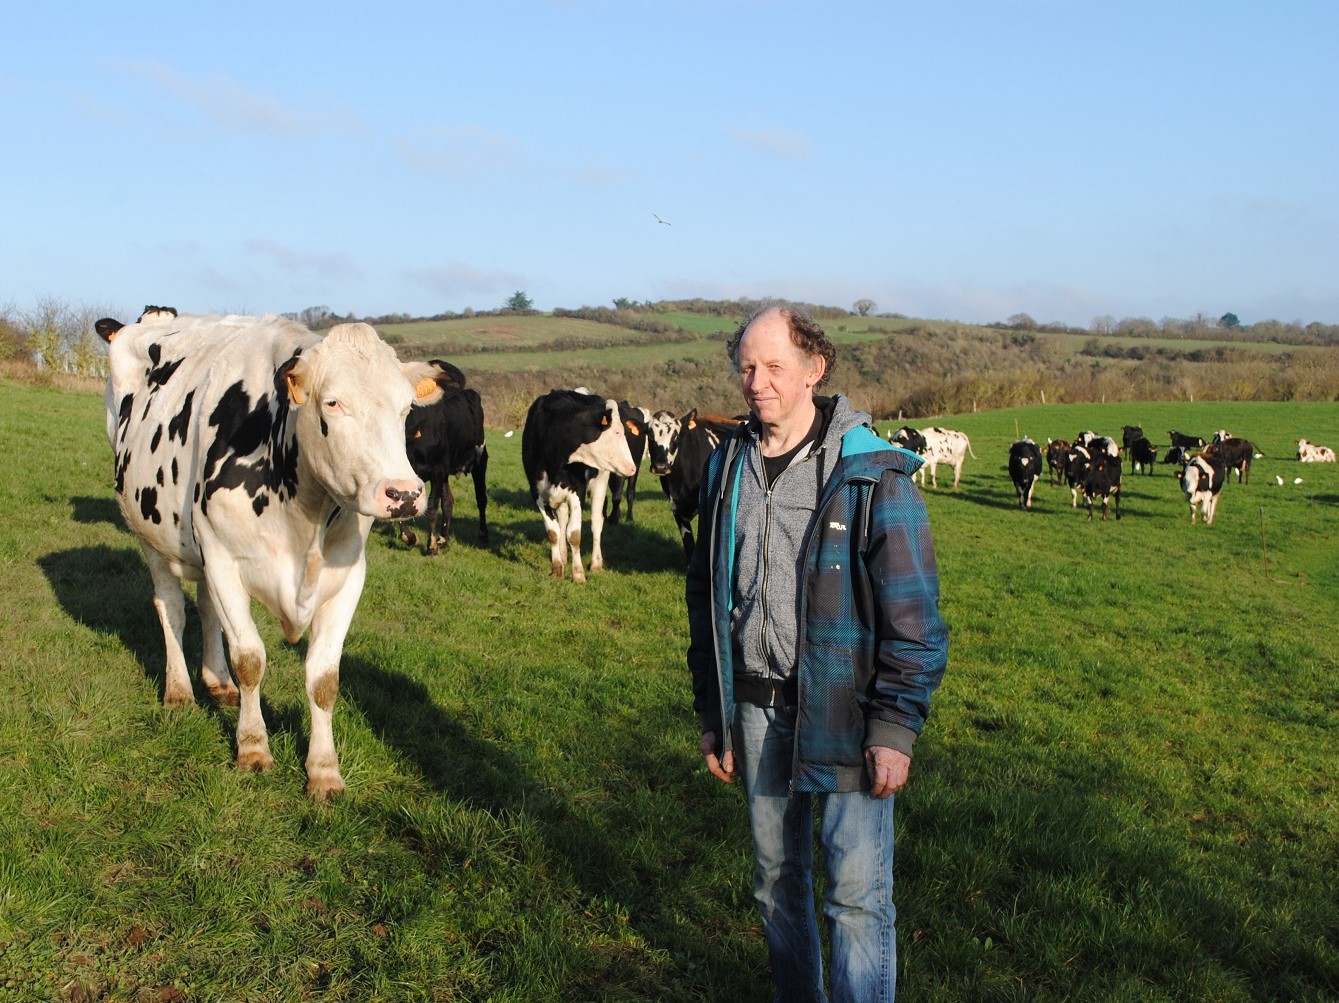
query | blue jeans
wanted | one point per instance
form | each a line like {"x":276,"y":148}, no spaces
{"x":856,"y":833}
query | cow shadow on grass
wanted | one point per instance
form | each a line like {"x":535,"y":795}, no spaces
{"x":89,"y":511}
{"x":604,"y":857}
{"x":109,"y":591}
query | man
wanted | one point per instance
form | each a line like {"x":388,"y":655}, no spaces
{"x":815,"y":643}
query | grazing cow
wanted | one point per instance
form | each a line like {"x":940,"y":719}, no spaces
{"x":1309,"y":452}
{"x":1236,"y":454}
{"x":1143,"y":454}
{"x":1186,"y":441}
{"x":442,"y":440}
{"x":679,"y":449}
{"x":942,"y":445}
{"x":570,"y":437}
{"x":1056,"y":451}
{"x":1201,"y":479}
{"x":1102,"y":480}
{"x":636,"y":422}
{"x":1024,"y":469}
{"x":1177,"y":455}
{"x":252,"y":456}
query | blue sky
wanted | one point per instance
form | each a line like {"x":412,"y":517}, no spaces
{"x":963,"y":161}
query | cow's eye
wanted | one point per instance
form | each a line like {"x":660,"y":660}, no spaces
{"x":331,"y":404}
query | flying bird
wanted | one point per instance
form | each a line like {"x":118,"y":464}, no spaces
{"x":665,"y":221}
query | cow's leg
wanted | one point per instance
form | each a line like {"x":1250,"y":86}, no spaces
{"x":481,"y":489}
{"x":214,"y":665}
{"x":957,"y":474}
{"x":1116,"y":502}
{"x":629,"y":490}
{"x":448,"y":511}
{"x":325,"y":647}
{"x":553,"y":513}
{"x":246,"y":649}
{"x":599,"y":488}
{"x":572,"y":534}
{"x":435,"y":496}
{"x":170,"y":603}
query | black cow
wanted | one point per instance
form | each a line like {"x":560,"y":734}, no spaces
{"x":1129,"y":435}
{"x":1102,"y":480}
{"x":1143,"y":454}
{"x":442,"y":440}
{"x":679,"y":450}
{"x":1177,"y":454}
{"x":1056,"y":450}
{"x":1025,"y":469}
{"x":569,"y":437}
{"x":636,"y":422}
{"x":1077,"y":461}
{"x":1186,"y":441}
{"x":1234,"y":453}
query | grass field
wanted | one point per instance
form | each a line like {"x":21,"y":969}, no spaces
{"x":1127,"y":789}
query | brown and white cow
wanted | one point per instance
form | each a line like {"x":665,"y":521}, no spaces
{"x":1309,"y":452}
{"x":570,"y":437}
{"x":252,"y":456}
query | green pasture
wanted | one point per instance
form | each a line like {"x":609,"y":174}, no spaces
{"x":1126,"y":791}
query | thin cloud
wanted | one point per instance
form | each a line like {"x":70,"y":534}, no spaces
{"x":227,"y":104}
{"x":780,"y":143}
{"x":326,"y":265}
{"x":458,"y":277}
{"x":462,"y":153}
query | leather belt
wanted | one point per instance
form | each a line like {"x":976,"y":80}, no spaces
{"x":766,"y":692}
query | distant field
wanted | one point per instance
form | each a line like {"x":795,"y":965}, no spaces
{"x":1075,"y":342}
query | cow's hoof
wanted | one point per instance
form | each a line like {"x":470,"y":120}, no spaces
{"x":225,"y":696}
{"x":325,"y":787}
{"x":409,"y":539}
{"x":177,"y":698}
{"x":257,"y":761}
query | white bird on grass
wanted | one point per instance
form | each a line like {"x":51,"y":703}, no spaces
{"x":1279,"y":479}
{"x":1297,"y":480}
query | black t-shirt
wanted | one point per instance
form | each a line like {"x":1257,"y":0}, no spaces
{"x":773,"y":465}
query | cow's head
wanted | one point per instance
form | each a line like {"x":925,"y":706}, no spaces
{"x":351,"y":395}
{"x":663,"y":441}
{"x":604,"y":441}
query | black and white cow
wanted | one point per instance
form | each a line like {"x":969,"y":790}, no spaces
{"x":909,"y":438}
{"x":1101,"y":480}
{"x":442,"y":440}
{"x":1077,"y":461}
{"x":636,"y":423}
{"x":1143,"y":454}
{"x":940,"y":445}
{"x":569,"y":437}
{"x":1177,"y":455}
{"x":252,"y":456}
{"x":1201,"y":480}
{"x":679,"y":449}
{"x":1025,"y":469}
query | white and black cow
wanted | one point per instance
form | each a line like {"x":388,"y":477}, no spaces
{"x":1309,"y":452}
{"x":637,"y":425}
{"x":1201,"y":480}
{"x":1025,"y":469}
{"x":252,"y":456}
{"x":569,"y":437}
{"x":1101,"y":479}
{"x":941,"y":445}
{"x":442,"y":440}
{"x":679,"y":449}
{"x":1143,"y":454}
{"x":908,"y":438}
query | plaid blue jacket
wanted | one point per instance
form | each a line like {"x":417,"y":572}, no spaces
{"x":873,"y":646}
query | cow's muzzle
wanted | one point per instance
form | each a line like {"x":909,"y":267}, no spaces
{"x":403,"y":503}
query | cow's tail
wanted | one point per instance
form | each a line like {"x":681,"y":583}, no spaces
{"x":969,"y":447}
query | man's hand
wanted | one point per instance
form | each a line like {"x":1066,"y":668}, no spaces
{"x":887,"y":768}
{"x":722,"y":769}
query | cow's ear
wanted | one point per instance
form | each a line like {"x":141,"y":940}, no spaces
{"x":288,"y":382}
{"x":425,"y":378}
{"x":108,"y":329}
{"x":690,"y":419}
{"x":632,"y":428}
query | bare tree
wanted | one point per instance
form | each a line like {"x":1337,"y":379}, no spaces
{"x":864,"y":307}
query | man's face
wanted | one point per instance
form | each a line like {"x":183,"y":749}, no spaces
{"x":775,"y":377}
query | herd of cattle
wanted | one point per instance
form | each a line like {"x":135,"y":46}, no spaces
{"x":253,"y":456}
